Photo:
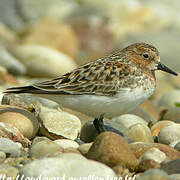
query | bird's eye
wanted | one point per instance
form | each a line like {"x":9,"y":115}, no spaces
{"x":145,"y":55}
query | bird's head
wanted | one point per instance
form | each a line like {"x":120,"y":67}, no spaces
{"x":147,"y":56}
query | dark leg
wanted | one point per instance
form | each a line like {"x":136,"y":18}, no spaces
{"x":99,"y":124}
{"x":101,"y":127}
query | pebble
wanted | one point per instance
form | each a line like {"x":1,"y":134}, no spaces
{"x":126,"y":120}
{"x":11,"y":63}
{"x":177,"y":146}
{"x":139,"y":148}
{"x":9,"y":147}
{"x":68,"y":165}
{"x":31,"y":11}
{"x":41,"y":35}
{"x":173,"y":144}
{"x":170,"y":98}
{"x":2,"y":156}
{"x":20,"y":118}
{"x":175,"y":176}
{"x":154,"y":174}
{"x":139,"y":133}
{"x":58,"y":124}
{"x":136,"y":25}
{"x":28,"y":101}
{"x":7,"y":36}
{"x":84,"y":148}
{"x":66,"y":143}
{"x":9,"y":14}
{"x":46,"y":62}
{"x":40,"y":138}
{"x":18,"y":162}
{"x":169,"y":134}
{"x":160,"y":125}
{"x":146,"y":164}
{"x":8,"y":171}
{"x":123,"y":172}
{"x":153,"y":154}
{"x":12,"y":133}
{"x":171,"y":167}
{"x":45,"y":148}
{"x":111,"y":149}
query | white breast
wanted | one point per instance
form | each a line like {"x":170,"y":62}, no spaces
{"x":95,"y":105}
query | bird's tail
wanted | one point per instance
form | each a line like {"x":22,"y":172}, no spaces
{"x":22,"y":89}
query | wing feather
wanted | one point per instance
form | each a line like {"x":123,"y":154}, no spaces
{"x":105,"y":76}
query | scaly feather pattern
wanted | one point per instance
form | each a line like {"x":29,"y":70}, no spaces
{"x":105,"y":76}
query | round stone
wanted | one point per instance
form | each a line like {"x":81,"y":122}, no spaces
{"x":45,"y":148}
{"x":160,"y":125}
{"x":7,"y":170}
{"x":111,"y":149}
{"x":66,"y":143}
{"x":84,"y":148}
{"x":20,"y":118}
{"x":140,"y":148}
{"x":66,"y":165}
{"x":2,"y":156}
{"x":139,"y":133}
{"x":57,"y":124}
{"x":154,"y":154}
{"x":154,"y":174}
{"x":177,"y":146}
{"x":169,"y":134}
{"x":126,"y":120}
{"x":46,"y":62}
{"x":9,"y":147}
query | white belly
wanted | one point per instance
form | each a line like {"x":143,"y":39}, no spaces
{"x":94,"y":106}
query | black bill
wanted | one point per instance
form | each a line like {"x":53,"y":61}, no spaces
{"x":162,"y":67}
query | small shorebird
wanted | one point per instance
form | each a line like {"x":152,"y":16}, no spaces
{"x":112,"y":85}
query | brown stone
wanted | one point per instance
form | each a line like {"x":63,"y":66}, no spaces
{"x":111,"y":149}
{"x":121,"y":171}
{"x":140,"y":148}
{"x":147,"y":164}
{"x":20,"y":118}
{"x":139,"y":133}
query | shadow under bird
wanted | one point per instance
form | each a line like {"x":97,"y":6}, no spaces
{"x":112,"y":85}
